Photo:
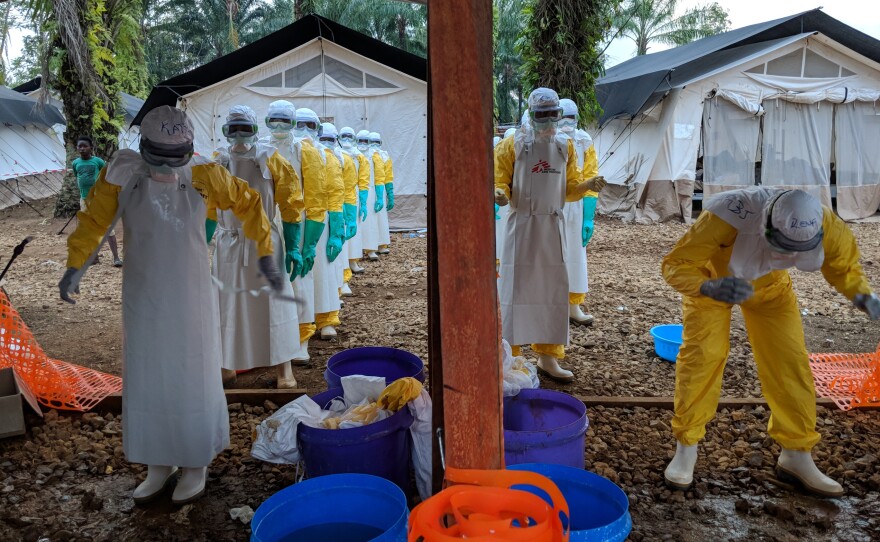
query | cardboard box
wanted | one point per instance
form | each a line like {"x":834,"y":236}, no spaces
{"x":12,"y":391}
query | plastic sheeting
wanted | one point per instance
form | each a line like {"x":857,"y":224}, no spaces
{"x":730,"y":146}
{"x":857,"y":132}
{"x":796,"y":149}
{"x":398,"y":111}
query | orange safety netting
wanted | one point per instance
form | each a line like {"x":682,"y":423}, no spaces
{"x":57,"y":384}
{"x":850,"y":380}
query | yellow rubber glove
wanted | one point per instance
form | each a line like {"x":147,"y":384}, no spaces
{"x":399,"y":393}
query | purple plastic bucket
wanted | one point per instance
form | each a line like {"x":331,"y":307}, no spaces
{"x":381,"y":449}
{"x":544,"y":426}
{"x":390,"y":363}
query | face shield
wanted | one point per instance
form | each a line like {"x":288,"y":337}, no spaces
{"x":164,"y":157}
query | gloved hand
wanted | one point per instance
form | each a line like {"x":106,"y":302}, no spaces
{"x":362,"y":195}
{"x":314,"y":230}
{"x":589,"y":216}
{"x":595,"y":184}
{"x":349,"y":212}
{"x":389,"y":190}
{"x":728,"y":290}
{"x":501,"y":198}
{"x":66,"y":285}
{"x":380,"y":198}
{"x":271,"y":272}
{"x":336,"y":235}
{"x":293,"y":260}
{"x":210,"y":227}
{"x":868,"y":304}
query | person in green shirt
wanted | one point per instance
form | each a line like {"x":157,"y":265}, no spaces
{"x":86,"y":168}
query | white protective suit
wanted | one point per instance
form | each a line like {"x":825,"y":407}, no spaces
{"x":382,"y":216}
{"x":575,"y":253}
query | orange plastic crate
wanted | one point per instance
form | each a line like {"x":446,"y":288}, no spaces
{"x":850,"y":380}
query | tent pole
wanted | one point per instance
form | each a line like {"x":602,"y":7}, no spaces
{"x":464,"y":335}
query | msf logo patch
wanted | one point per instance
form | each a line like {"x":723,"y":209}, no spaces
{"x":543,"y":166}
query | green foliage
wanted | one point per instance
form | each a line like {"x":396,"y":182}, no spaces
{"x":647,"y":21}
{"x":509,"y":23}
{"x":562,"y":48}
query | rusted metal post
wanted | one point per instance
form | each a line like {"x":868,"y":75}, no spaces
{"x":463,"y":300}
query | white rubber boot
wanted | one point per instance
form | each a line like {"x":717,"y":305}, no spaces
{"x":158,"y":478}
{"x":355,"y":268}
{"x":549,"y":366}
{"x":302,"y":358}
{"x":577,"y":316}
{"x":191,"y":485}
{"x":346,"y":291}
{"x":373,"y":257}
{"x":229,"y":377}
{"x":328,"y":333}
{"x":286,"y":380}
{"x":799,"y":466}
{"x":384,"y":250}
{"x":680,"y":472}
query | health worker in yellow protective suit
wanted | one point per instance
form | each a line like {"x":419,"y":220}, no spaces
{"x":257,"y":331}
{"x":174,"y":412}
{"x":536,"y":173}
{"x":737,"y":253}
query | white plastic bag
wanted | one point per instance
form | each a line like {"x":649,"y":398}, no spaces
{"x":275,"y":440}
{"x":519,"y":373}
{"x":420,"y":408}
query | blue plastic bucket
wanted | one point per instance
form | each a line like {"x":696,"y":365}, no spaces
{"x":391,"y":363}
{"x":667,"y":340}
{"x":598,"y":508}
{"x":544,"y":426}
{"x":380,"y":449}
{"x":352,"y":507}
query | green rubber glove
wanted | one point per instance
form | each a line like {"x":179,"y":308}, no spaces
{"x":362,"y":195}
{"x":293,"y":259}
{"x":389,"y":189}
{"x":336,"y":235}
{"x":349,"y":211}
{"x":589,"y":215}
{"x":314,"y":230}
{"x":380,"y":198}
{"x":210,"y":227}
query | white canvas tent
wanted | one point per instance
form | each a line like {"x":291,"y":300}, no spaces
{"x":32,"y":160}
{"x":789,"y":103}
{"x":346,"y":77}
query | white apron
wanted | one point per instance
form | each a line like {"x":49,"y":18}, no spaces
{"x":173,"y":408}
{"x":256,"y":331}
{"x":575,"y":253}
{"x":382,"y":216}
{"x":534,"y":278}
{"x":370,"y":226}
{"x":500,"y":226}
{"x":326,"y":282}
{"x":752,"y":257}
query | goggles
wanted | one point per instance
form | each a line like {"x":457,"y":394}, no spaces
{"x":306,"y":125}
{"x":279,"y":124}
{"x":346,"y":137}
{"x":327,"y":139}
{"x":547,"y":115}
{"x":157,"y":154}
{"x":780,"y":242}
{"x":240,"y":130}
{"x":572,"y":117}
{"x":363,"y":141}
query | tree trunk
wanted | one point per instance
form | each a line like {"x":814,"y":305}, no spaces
{"x":401,"y":32}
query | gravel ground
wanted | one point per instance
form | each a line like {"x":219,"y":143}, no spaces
{"x":67,"y":479}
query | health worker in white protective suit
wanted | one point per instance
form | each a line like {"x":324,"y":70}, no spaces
{"x":350,"y":205}
{"x":173,"y":408}
{"x":308,"y":163}
{"x":579,"y":215}
{"x":536,"y":173}
{"x":388,"y":185}
{"x":327,"y":304}
{"x":738,"y":253}
{"x":257,"y":331}
{"x":375,"y":197}
{"x":501,"y":214}
{"x":355,"y":245}
{"x":336,"y":167}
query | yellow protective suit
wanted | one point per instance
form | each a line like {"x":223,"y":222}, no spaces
{"x":505,"y":161}
{"x":590,"y":170}
{"x":773,"y":322}
{"x":350,"y":179}
{"x":334,"y":197}
{"x":220,"y":190}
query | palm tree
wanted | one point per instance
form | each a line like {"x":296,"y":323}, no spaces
{"x":508,"y":60}
{"x":647,"y":21}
